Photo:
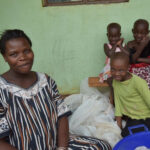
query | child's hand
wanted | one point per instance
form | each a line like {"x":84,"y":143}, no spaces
{"x":119,"y":43}
{"x":145,"y":41}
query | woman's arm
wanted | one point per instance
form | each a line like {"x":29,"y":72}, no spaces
{"x":63,"y":132}
{"x":6,"y":146}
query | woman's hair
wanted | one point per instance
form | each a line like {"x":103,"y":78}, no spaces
{"x":9,"y":35}
{"x":114,"y":25}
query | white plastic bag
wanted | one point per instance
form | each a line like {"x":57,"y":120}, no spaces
{"x":93,"y":115}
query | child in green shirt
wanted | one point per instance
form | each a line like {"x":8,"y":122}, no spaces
{"x":131,"y":94}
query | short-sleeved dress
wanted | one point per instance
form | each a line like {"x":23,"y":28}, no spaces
{"x":141,"y":69}
{"x":30,"y":117}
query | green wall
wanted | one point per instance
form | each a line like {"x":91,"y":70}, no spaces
{"x":68,"y":40}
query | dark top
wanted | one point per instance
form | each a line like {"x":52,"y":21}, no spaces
{"x":145,"y":53}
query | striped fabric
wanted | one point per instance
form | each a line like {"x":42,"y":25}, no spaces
{"x":30,"y":116}
{"x":87,"y":143}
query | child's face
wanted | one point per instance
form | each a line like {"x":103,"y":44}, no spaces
{"x":113,"y":35}
{"x":19,"y":55}
{"x":119,"y":69}
{"x":140,"y":31}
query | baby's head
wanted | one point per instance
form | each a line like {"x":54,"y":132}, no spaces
{"x":113,"y":33}
{"x":140,"y":30}
{"x":119,"y":66}
{"x":8,"y":35}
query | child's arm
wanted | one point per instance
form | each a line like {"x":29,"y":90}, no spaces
{"x":63,"y":132}
{"x":123,"y":49}
{"x":139,"y":48}
{"x":143,"y":60}
{"x":109,"y":51}
{"x":109,"y":81}
{"x":119,"y":121}
{"x":112,"y":96}
{"x":6,"y":146}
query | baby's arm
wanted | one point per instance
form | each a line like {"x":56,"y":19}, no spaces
{"x":109,"y":51}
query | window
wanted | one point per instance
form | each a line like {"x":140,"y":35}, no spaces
{"x":78,"y":2}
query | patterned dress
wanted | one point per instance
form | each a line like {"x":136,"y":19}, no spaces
{"x":141,"y":69}
{"x":30,"y":117}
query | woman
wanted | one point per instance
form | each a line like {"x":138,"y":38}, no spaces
{"x":31,"y":110}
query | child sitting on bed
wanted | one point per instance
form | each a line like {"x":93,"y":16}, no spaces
{"x":115,"y":45}
{"x":139,"y":49}
{"x":131,"y":94}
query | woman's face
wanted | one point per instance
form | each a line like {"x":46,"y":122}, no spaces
{"x":19,"y":55}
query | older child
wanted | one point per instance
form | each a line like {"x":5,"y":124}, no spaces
{"x":115,"y":45}
{"x":31,"y":110}
{"x":140,"y":50}
{"x":131,"y":94}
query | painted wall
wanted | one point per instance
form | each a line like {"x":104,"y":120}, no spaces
{"x":68,"y":40}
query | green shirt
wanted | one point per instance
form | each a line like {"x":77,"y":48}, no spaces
{"x":132,"y":98}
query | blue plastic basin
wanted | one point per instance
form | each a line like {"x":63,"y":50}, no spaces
{"x":134,"y":140}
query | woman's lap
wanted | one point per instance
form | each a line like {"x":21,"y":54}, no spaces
{"x":87,"y":143}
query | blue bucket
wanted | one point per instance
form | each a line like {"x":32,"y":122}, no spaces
{"x":134,"y":140}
